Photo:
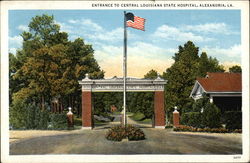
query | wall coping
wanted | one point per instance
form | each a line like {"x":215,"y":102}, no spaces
{"x":115,"y":84}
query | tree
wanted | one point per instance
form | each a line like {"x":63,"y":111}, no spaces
{"x":200,"y":103}
{"x":152,"y":74}
{"x":235,"y":69}
{"x":143,"y":101}
{"x":182,"y":74}
{"x":189,"y":48}
{"x":208,"y":65}
{"x":49,"y":66}
{"x":211,"y":116}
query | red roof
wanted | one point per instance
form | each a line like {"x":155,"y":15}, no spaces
{"x":221,"y":82}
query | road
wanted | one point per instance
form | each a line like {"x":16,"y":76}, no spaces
{"x":158,"y":141}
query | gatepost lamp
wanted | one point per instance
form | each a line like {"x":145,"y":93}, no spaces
{"x":176,"y":117}
{"x":70,"y":119}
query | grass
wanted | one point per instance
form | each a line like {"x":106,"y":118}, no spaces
{"x":147,"y":121}
{"x":116,"y":113}
{"x":140,"y":117}
{"x":137,"y":116}
{"x":99,"y":122}
{"x":129,"y":113}
{"x":77,"y":121}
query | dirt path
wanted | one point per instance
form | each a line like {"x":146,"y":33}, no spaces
{"x":118,"y":122}
{"x":131,"y":121}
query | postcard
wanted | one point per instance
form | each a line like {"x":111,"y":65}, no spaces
{"x":125,"y":81}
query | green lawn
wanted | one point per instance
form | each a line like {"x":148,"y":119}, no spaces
{"x":140,"y":117}
{"x":129,"y":113}
{"x":116,"y":113}
{"x":137,"y":116}
{"x":147,"y":121}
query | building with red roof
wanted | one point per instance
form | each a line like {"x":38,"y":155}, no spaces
{"x":223,"y":89}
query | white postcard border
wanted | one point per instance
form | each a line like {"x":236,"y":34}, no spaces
{"x":12,"y":5}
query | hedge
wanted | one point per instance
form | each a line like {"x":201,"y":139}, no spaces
{"x":59,"y":121}
{"x":211,"y":116}
{"x":28,"y":116}
{"x":193,"y":119}
{"x":183,"y":128}
{"x":233,"y":120}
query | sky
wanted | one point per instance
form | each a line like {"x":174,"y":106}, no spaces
{"x":216,"y":32}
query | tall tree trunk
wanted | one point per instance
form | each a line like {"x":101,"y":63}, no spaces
{"x":43,"y":102}
{"x":57,"y":107}
{"x":69,"y":101}
{"x":72,"y":102}
{"x":51,"y":106}
{"x":61,"y":106}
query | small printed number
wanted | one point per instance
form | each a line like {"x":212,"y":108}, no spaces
{"x":237,"y":157}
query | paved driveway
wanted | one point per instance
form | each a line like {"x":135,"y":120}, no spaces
{"x":157,"y":141}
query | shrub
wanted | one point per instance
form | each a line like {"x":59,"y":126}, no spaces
{"x":17,"y":114}
{"x":183,"y":128}
{"x":77,"y":121}
{"x":211,"y":116}
{"x":212,"y":130}
{"x":28,"y":116}
{"x":117,"y":133}
{"x":44,"y":120}
{"x":200,"y":103}
{"x":134,"y":133}
{"x":59,"y":120}
{"x":192,"y":119}
{"x":36,"y":118}
{"x":237,"y":131}
{"x":233,"y":120}
{"x":169,"y":126}
{"x":184,"y":118}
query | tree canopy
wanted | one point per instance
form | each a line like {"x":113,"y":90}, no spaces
{"x":46,"y":70}
{"x":182,"y":74}
{"x":235,"y":69}
{"x":49,"y":65}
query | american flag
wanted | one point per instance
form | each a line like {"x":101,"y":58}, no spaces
{"x":137,"y":24}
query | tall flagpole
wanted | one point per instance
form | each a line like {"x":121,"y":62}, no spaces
{"x":124,"y":69}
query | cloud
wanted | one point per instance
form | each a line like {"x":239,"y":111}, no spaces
{"x":86,"y":23}
{"x":221,"y":28}
{"x":113,"y":35}
{"x":228,"y":64}
{"x":177,"y":34}
{"x":87,"y":28}
{"x":15,"y":42}
{"x":149,"y":50}
{"x":12,"y":50}
{"x":92,"y":31}
{"x":141,"y":58}
{"x":72,"y":21}
{"x":89,"y":23}
{"x":65,"y":27}
{"x":23,"y":27}
{"x":233,"y":51}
